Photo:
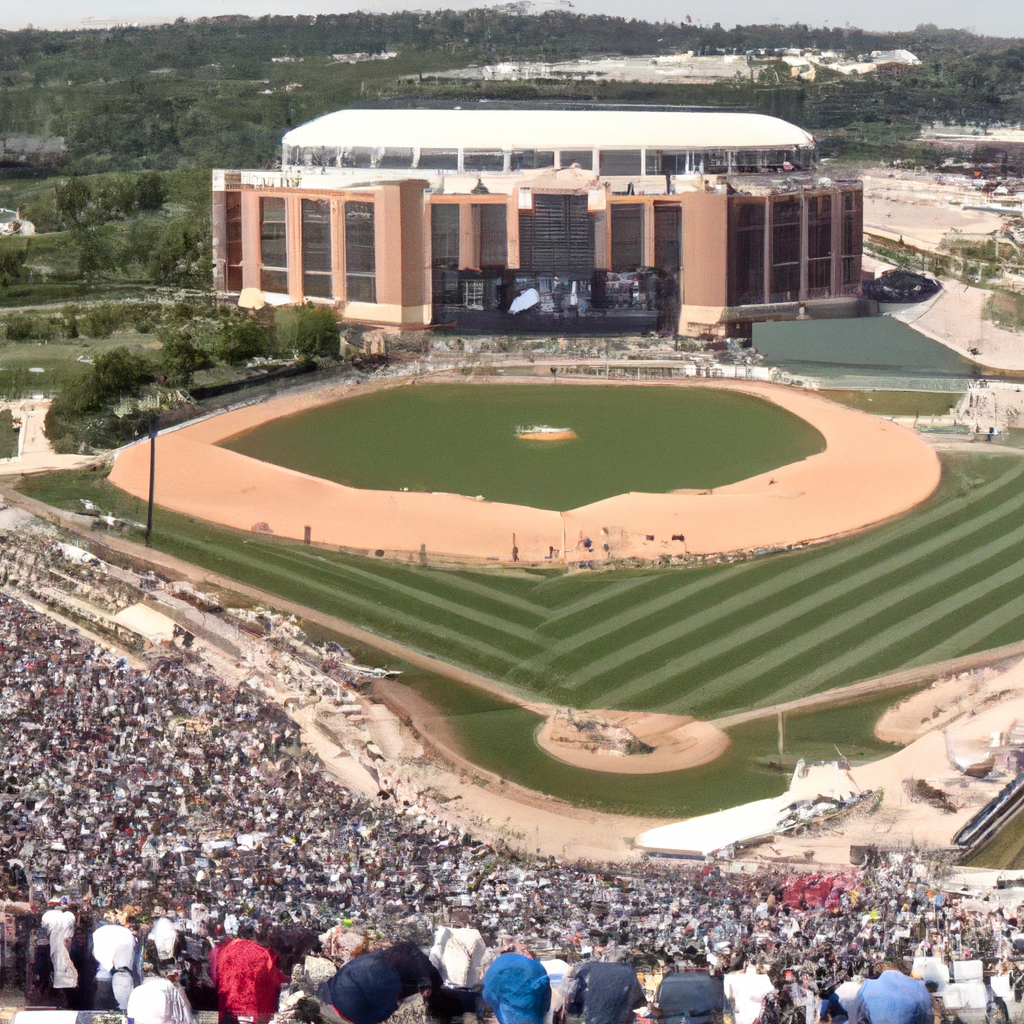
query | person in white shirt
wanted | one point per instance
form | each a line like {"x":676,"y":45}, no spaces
{"x":113,"y":946}
{"x":159,"y":1001}
{"x":60,"y":927}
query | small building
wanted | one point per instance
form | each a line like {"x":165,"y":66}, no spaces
{"x":581,"y":221}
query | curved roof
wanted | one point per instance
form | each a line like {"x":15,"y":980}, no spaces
{"x":546,"y":129}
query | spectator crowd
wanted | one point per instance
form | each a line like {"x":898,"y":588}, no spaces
{"x":164,"y":822}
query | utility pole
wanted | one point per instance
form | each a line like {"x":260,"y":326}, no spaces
{"x":152,"y":478}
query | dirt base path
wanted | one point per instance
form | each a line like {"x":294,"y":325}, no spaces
{"x":870,"y":471}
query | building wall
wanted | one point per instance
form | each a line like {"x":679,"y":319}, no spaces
{"x":705,"y":249}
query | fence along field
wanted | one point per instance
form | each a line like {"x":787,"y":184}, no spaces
{"x":945,"y":580}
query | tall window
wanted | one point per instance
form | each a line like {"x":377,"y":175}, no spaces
{"x":852,"y":239}
{"x":627,"y":235}
{"x":747,"y":257}
{"x":444,"y":253}
{"x":620,"y":162}
{"x":493,"y":235}
{"x":819,"y":246}
{"x":273,"y":246}
{"x":558,"y":236}
{"x":785,"y":250}
{"x":360,"y":253}
{"x":233,"y":211}
{"x":668,"y":221}
{"x":316,"y":248}
{"x":583,"y":157}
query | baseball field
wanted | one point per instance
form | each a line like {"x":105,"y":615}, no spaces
{"x":946,"y":579}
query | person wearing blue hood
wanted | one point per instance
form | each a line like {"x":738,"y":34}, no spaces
{"x":603,"y":993}
{"x":517,"y":989}
{"x":370,"y":988}
{"x":891,"y":998}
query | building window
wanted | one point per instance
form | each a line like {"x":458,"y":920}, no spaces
{"x":666,"y":161}
{"x":476,"y":160}
{"x":473,"y":294}
{"x":396,"y":158}
{"x":233,"y":215}
{"x":620,"y":162}
{"x":316,"y":248}
{"x":273,"y":246}
{"x":668,"y":227}
{"x":493,"y":235}
{"x":532,"y":159}
{"x":627,"y":235}
{"x":746,"y":263}
{"x":558,"y":236}
{"x":583,"y":157}
{"x":444,"y":235}
{"x":852,"y":238}
{"x":439,"y":159}
{"x":785,"y":250}
{"x":819,"y":246}
{"x":360,"y":253}
{"x":356,"y":156}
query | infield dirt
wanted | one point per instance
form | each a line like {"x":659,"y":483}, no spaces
{"x":870,"y":471}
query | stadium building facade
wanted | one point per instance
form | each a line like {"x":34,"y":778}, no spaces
{"x":576,"y":220}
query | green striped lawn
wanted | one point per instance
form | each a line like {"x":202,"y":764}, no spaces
{"x":943,"y":581}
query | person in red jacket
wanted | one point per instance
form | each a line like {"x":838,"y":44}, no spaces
{"x":247,"y":980}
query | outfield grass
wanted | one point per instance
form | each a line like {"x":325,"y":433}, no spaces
{"x":943,"y":581}
{"x":462,"y":440}
{"x":896,"y":403}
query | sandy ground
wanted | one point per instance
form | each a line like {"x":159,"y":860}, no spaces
{"x":918,"y":210}
{"x":678,"y":740}
{"x":35,"y":453}
{"x":954,"y":318}
{"x":870,"y":471}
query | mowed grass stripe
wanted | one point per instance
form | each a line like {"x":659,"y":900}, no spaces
{"x":608,"y":592}
{"x":421,"y":596}
{"x":899,"y":632}
{"x":762,"y":592}
{"x":457,"y":581}
{"x":343,"y":603}
{"x":973,"y":635}
{"x":835,"y":626}
{"x":799,"y":574}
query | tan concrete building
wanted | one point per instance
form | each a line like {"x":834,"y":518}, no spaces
{"x":577,"y":221}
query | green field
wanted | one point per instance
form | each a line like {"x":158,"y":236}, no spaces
{"x":943,"y":581}
{"x":896,"y":403}
{"x":461,"y":439}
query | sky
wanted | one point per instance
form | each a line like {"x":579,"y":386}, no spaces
{"x":988,"y":17}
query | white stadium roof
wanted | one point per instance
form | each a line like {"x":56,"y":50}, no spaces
{"x":503,"y":129}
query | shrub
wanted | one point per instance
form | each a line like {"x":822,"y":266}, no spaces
{"x":19,"y":327}
{"x":181,"y":358}
{"x":242,"y":339}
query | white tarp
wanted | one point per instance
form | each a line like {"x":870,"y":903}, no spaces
{"x":707,"y":833}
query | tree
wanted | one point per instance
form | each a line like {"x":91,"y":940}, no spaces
{"x":183,"y":258}
{"x":181,"y":358}
{"x":12,"y":261}
{"x":150,"y":191}
{"x":73,"y":199}
{"x":119,"y":372}
{"x":316,"y":332}
{"x":242,"y":339}
{"x":93,"y":252}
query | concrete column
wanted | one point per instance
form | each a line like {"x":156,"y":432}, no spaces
{"x":387,"y":221}
{"x":469,"y":236}
{"x":293,"y":239}
{"x":512,"y":230}
{"x":250,"y":239}
{"x":338,"y":249}
{"x":648,"y":222}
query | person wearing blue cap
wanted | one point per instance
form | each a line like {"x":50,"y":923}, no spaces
{"x":517,"y":989}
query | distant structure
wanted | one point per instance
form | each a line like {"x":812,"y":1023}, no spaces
{"x":584,"y":221}
{"x":32,"y":150}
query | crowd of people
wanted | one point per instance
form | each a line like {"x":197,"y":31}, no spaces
{"x":181,"y":811}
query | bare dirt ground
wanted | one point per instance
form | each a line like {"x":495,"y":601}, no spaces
{"x":678,"y":740}
{"x":35,"y":452}
{"x":918,"y":210}
{"x":955,"y":318}
{"x":870,"y":471}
